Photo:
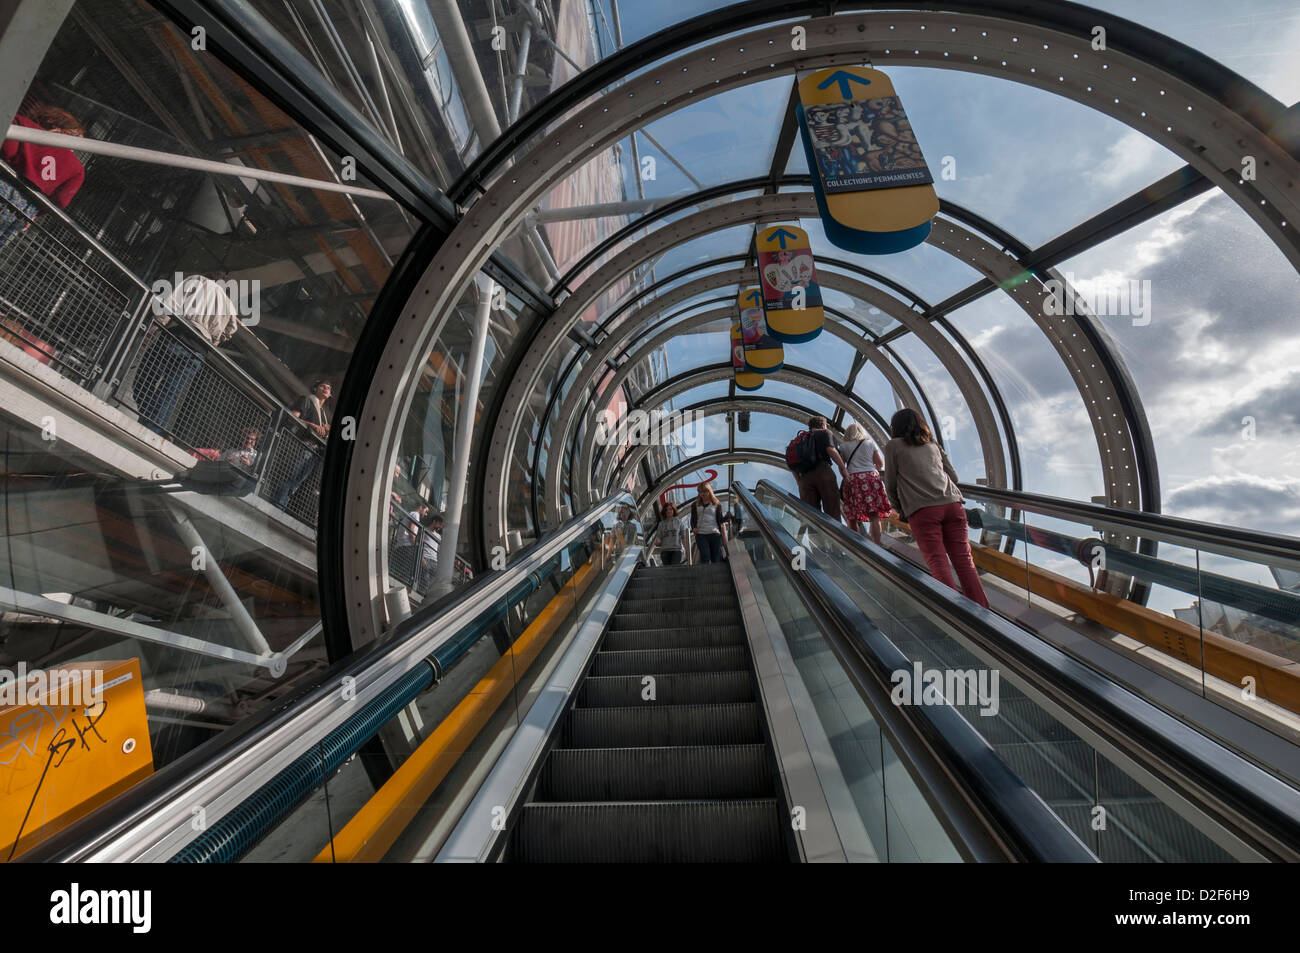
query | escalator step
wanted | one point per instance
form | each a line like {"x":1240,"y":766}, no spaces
{"x":650,"y":832}
{"x":629,"y":639}
{"x":655,"y":774}
{"x":690,"y":688}
{"x":719,"y":658}
{"x":653,"y":726}
{"x":674,"y":620}
{"x":678,"y":603}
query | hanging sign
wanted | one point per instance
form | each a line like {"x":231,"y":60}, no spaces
{"x":874,"y":190}
{"x":763,"y":353}
{"x":792,"y":298}
{"x":745,"y":380}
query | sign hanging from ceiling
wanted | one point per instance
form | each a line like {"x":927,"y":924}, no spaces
{"x":745,"y":380}
{"x":763,"y":353}
{"x":874,"y":190}
{"x":792,"y":298}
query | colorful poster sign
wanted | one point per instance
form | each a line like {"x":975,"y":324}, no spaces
{"x":792,"y":298}
{"x":763,"y":352}
{"x":873,"y":187}
{"x":745,"y":379}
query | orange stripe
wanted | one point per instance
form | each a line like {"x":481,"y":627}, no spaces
{"x":374,"y":828}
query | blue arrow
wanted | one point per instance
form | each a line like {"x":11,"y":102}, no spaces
{"x":756,"y":298}
{"x":782,"y":234}
{"x":844,"y":78}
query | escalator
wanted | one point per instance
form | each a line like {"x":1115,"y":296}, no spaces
{"x":575,"y":707}
{"x":662,"y":757}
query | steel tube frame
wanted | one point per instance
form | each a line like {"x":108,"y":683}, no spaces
{"x":1210,"y":136}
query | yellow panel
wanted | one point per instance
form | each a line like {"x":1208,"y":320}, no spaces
{"x":785,"y":264}
{"x":745,"y":380}
{"x":878,"y":209}
{"x":71,"y":738}
{"x":763,"y":353}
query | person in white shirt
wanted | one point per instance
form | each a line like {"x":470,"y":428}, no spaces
{"x":863,"y":492}
{"x":708,"y":524}
{"x":669,"y":536}
{"x":169,"y":360}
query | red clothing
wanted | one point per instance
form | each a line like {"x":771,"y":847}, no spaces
{"x":29,"y":160}
{"x":940,"y":534}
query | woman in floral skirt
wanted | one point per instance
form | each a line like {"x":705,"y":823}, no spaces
{"x":862,"y":491}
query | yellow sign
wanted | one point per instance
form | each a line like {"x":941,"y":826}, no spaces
{"x":792,"y":298}
{"x":874,"y":189}
{"x":763,"y":353}
{"x":745,"y":380}
{"x":71,"y":738}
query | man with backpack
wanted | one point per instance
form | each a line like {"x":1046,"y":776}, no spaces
{"x":809,"y":457}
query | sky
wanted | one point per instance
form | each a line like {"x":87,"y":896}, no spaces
{"x":1218,"y":365}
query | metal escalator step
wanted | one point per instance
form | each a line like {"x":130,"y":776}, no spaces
{"x":673,"y":620}
{"x":655,"y":774}
{"x":656,"y":592}
{"x":650,"y":832}
{"x":683,"y":638}
{"x":654,"y":726}
{"x":718,"y":658}
{"x":687,"y":688}
{"x":677,"y":603}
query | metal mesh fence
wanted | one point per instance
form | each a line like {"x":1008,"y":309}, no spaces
{"x":179,"y":390}
{"x":291,"y":475}
{"x":60,"y":300}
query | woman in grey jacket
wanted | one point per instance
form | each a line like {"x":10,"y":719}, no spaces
{"x":922,"y":485}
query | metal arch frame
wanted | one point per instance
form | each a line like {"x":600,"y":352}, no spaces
{"x":573,"y":418}
{"x":1210,"y":137}
{"x":799,"y":377}
{"x":777,"y":207}
{"x":612,"y":469}
{"x":733,"y":455}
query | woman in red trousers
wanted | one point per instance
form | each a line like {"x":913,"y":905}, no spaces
{"x":922,"y":485}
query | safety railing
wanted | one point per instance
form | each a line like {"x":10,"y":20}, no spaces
{"x":70,"y":304}
{"x":413,"y":553}
{"x":463,"y":659}
{"x":1219,"y":608}
{"x":1165,"y":790}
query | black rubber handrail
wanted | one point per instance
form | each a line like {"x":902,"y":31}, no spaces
{"x":985,"y":806}
{"x":1228,"y":540}
{"x":1253,"y":805}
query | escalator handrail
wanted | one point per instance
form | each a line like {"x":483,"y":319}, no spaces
{"x":1253,"y":545}
{"x":1258,"y":807}
{"x":227,"y":770}
{"x":989,"y":809}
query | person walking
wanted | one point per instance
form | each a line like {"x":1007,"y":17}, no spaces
{"x":708,"y":524}
{"x":310,"y":409}
{"x":669,"y":535}
{"x":863,"y":492}
{"x":809,"y":456}
{"x":922,"y":485}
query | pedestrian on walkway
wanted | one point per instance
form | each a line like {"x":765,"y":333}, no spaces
{"x":708,"y":524}
{"x":669,"y":536}
{"x":863,"y":493}
{"x":810,"y":456}
{"x":922,"y":485}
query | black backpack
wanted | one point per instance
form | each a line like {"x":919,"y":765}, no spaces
{"x":801,"y":453}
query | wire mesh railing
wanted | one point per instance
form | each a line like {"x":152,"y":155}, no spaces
{"x":67,"y":302}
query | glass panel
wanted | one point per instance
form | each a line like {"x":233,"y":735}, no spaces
{"x":1199,"y":305}
{"x":200,"y":322}
{"x":1058,"y":449}
{"x":1062,"y":767}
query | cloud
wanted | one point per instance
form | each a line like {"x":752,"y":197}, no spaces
{"x":1240,"y":499}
